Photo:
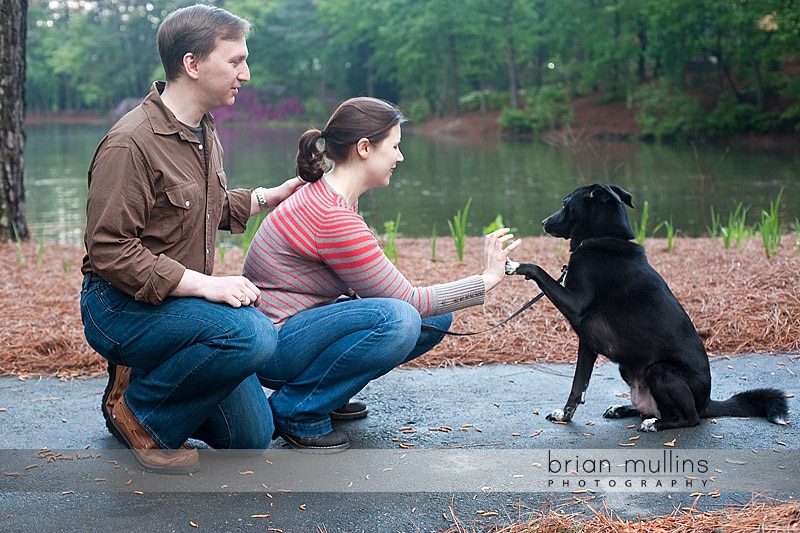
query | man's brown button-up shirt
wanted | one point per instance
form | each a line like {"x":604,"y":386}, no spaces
{"x":157,"y":196}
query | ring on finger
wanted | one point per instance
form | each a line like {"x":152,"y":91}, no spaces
{"x":242,"y":297}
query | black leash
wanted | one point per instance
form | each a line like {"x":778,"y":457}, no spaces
{"x":516,"y":313}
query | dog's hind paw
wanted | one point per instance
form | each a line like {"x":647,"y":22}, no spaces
{"x":615,"y":411}
{"x":558,"y":416}
{"x":511,"y":267}
{"x":649,"y":425}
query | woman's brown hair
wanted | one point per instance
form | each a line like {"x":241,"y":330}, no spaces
{"x":355,"y":119}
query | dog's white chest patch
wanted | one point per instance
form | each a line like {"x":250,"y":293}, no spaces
{"x":642,"y":400}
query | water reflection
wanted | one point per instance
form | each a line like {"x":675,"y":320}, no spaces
{"x":522,"y":181}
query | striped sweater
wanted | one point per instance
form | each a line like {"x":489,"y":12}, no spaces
{"x":313,"y":248}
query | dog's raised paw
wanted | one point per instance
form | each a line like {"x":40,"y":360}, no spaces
{"x":557,"y":416}
{"x":648,"y":425}
{"x":511,"y":267}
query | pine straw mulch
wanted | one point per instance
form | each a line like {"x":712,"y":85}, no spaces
{"x":741,"y":302}
{"x":758,"y":515}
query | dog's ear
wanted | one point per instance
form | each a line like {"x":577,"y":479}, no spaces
{"x":624,"y":195}
{"x":611,"y":192}
{"x":603,"y":193}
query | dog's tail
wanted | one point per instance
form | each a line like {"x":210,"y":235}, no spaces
{"x":768,"y":403}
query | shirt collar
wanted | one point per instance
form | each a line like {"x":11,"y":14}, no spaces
{"x":161,"y":118}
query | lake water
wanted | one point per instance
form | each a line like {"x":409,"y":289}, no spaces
{"x":522,"y":181}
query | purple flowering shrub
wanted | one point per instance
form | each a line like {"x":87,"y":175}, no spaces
{"x":253,"y":105}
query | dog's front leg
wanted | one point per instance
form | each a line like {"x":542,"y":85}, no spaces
{"x":580,"y":382}
{"x":570,"y":303}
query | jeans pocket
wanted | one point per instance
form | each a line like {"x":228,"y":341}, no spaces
{"x":91,"y":309}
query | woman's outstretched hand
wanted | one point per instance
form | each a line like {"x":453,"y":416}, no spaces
{"x":495,"y":252}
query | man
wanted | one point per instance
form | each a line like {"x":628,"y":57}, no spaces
{"x":183,"y":346}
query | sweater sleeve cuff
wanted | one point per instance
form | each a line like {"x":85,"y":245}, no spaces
{"x":460,"y":294}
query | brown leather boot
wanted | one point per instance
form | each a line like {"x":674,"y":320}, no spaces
{"x":118,"y":379}
{"x":146,"y":451}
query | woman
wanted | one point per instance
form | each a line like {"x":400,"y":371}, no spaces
{"x":315,"y":247}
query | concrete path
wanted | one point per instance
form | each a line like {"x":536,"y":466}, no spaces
{"x":441,"y":447}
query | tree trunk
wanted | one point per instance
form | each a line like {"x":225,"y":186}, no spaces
{"x":511,"y":59}
{"x":13,"y":30}
{"x":455,"y":75}
{"x":758,"y":81}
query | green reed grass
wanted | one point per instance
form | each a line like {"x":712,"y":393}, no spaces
{"x":796,"y":226}
{"x":640,"y":227}
{"x":434,"y":236}
{"x":670,"y":229}
{"x":495,"y":224}
{"x":250,"y":232}
{"x":40,"y":257}
{"x":458,"y":229}
{"x":736,"y":228}
{"x":771,"y":227}
{"x":18,"y":241}
{"x":716,"y":218}
{"x":391,"y":228}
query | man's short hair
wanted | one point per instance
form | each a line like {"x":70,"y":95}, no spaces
{"x":196,"y":30}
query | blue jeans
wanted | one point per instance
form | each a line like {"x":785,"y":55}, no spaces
{"x":326,"y":354}
{"x":193,"y":365}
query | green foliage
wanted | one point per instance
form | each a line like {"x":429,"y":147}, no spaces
{"x":250,"y":231}
{"x":731,"y":117}
{"x":20,"y":257}
{"x":792,"y":116}
{"x":483,"y":100}
{"x":545,"y":109}
{"x":665,"y":116}
{"x":669,"y":227}
{"x":713,"y":230}
{"x":315,"y":110}
{"x":640,"y":227}
{"x":771,"y":228}
{"x":549,"y":108}
{"x":434,"y":64}
{"x":496,"y":224}
{"x":391,"y":228}
{"x":796,"y":227}
{"x":736,"y":229}
{"x":417,"y":110}
{"x":458,"y":229}
{"x":40,"y":258}
{"x":434,"y":236}
{"x":515,"y":121}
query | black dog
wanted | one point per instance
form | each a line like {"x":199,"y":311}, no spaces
{"x":622,"y":308}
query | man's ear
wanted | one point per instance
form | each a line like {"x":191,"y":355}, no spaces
{"x":362,"y":147}
{"x":191,"y":66}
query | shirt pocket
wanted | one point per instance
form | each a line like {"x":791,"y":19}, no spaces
{"x":176,"y":217}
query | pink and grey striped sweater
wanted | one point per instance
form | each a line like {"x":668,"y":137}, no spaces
{"x":313,"y":248}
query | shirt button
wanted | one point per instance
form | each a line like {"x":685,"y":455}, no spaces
{"x":188,"y":203}
{"x":200,"y":146}
{"x":207,"y":251}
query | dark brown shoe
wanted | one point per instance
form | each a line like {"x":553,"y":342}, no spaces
{"x":350,"y":411}
{"x":146,"y":451}
{"x":118,"y":379}
{"x":333,"y":442}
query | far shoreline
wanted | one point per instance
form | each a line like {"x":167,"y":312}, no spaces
{"x":606,"y":123}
